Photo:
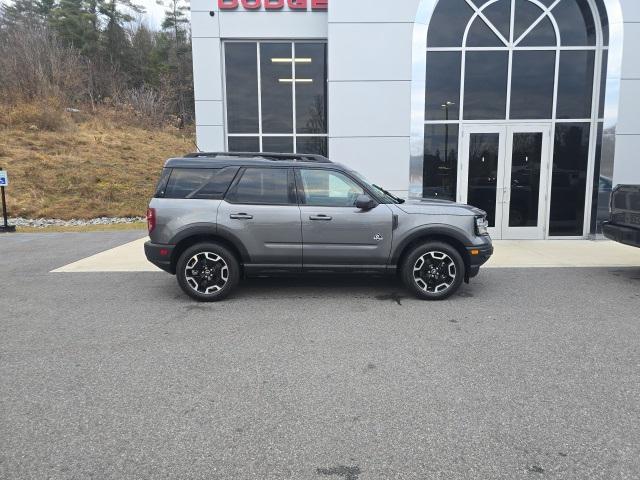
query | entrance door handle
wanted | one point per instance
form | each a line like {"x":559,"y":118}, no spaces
{"x":322,"y":218}
{"x":240,"y":216}
{"x":506,"y":191}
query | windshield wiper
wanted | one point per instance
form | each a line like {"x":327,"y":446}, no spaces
{"x":397,"y":199}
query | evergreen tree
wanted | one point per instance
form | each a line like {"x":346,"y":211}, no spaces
{"x":146,"y":66}
{"x":76,"y":25}
{"x":44,"y":8}
{"x":25,"y":12}
{"x":178,"y":56}
{"x":88,"y":50}
{"x":115,"y":42}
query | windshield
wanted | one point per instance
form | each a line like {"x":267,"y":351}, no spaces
{"x":380,"y":192}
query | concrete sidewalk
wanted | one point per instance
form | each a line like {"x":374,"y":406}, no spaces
{"x":562,"y":254}
{"x":508,"y":254}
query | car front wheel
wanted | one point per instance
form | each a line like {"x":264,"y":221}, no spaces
{"x":433,"y":271}
{"x":207,"y":272}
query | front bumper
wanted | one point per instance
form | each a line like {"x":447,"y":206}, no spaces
{"x":478,"y":256}
{"x":618,"y":233}
{"x":160,"y":255}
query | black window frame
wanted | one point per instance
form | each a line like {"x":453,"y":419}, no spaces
{"x":298,"y":132}
{"x":291,"y":187}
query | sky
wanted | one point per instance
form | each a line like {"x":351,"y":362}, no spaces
{"x":154,"y":12}
{"x":153,"y":16}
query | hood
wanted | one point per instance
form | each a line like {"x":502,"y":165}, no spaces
{"x":432,"y":206}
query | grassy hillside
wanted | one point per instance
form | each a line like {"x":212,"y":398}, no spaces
{"x":82,"y":165}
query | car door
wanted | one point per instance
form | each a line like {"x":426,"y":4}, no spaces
{"x":260,"y":210}
{"x":334,"y":232}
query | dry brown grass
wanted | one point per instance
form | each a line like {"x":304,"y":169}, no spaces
{"x":48,"y":115}
{"x":64,"y":165}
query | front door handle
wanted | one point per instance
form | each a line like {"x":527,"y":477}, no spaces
{"x":322,"y":218}
{"x":241,"y":216}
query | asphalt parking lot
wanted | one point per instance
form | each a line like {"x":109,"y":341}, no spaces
{"x":526,"y":373}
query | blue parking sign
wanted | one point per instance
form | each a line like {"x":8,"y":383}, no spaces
{"x":4,"y":179}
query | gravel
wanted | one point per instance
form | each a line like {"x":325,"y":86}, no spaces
{"x":54,"y":222}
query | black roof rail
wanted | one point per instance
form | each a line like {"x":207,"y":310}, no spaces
{"x":291,"y":157}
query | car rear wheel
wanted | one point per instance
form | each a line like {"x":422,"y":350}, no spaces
{"x":207,"y":272}
{"x":433,"y":271}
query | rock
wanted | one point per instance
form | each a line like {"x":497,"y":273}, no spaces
{"x":74,"y":222}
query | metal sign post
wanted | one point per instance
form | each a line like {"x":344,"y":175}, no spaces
{"x":4,"y":182}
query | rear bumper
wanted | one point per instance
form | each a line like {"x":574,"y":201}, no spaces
{"x":483,"y":254}
{"x":620,"y":234}
{"x":160,"y":255}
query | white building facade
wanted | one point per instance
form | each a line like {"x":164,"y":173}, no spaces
{"x":529,"y":109}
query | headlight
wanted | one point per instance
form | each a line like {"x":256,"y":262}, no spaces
{"x":482,"y":226}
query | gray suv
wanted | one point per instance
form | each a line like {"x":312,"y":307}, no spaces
{"x":217,"y":217}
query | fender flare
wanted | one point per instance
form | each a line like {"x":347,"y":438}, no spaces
{"x":214,"y":231}
{"x":438,"y":229}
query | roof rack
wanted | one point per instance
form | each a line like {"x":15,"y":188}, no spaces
{"x":276,"y":157}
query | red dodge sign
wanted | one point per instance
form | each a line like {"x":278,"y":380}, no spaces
{"x":273,"y":4}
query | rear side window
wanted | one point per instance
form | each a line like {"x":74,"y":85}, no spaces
{"x":199,"y":183}
{"x":162,"y":183}
{"x":266,"y":186}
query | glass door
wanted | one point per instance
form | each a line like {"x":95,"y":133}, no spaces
{"x":482,"y":171}
{"x":528,"y":160}
{"x":504,"y":171}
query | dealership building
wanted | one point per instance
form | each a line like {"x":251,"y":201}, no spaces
{"x":528,"y":109}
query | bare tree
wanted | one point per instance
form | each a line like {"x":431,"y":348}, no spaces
{"x":35,"y":63}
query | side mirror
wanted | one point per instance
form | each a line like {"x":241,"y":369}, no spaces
{"x":365,"y":202}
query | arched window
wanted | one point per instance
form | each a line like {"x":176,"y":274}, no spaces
{"x":512,"y":62}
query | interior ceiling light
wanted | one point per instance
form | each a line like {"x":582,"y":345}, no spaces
{"x":290,"y":60}
{"x":297,"y":80}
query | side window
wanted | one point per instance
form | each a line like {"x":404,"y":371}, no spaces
{"x":161,"y":187}
{"x":264,"y":186}
{"x":199,"y":183}
{"x":324,"y":188}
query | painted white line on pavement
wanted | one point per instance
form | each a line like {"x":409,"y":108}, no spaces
{"x":125,"y":258}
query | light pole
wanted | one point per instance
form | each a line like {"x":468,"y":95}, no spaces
{"x":446,"y":106}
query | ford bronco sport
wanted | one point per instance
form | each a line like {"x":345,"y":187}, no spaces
{"x":217,"y":217}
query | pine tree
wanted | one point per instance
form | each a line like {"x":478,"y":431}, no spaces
{"x":76,"y":25}
{"x":115,"y":42}
{"x":146,"y":65}
{"x":179,"y":58}
{"x":25,"y":12}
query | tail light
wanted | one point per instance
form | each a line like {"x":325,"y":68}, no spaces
{"x":151,"y":219}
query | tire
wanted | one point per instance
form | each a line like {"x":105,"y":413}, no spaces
{"x":207,"y":272}
{"x":433,"y":271}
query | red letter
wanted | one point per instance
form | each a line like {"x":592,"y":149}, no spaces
{"x":298,"y":4}
{"x":273,"y":4}
{"x":320,"y":4}
{"x":251,"y":4}
{"x":227,"y":4}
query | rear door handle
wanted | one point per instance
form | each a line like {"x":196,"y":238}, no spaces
{"x":324,"y":218}
{"x":241,"y":216}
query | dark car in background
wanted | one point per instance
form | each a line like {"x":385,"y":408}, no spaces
{"x":624,"y":217}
